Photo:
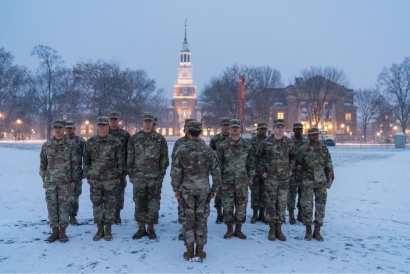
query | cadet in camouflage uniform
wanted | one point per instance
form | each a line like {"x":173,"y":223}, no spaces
{"x":193,"y":163}
{"x":124,"y":136}
{"x":258,"y":191}
{"x":103,"y":168}
{"x":296,"y":179}
{"x":59,"y":171}
{"x":315,"y":164}
{"x":147,"y":163}
{"x":236,"y":157}
{"x":75,"y":194}
{"x":214,"y":143}
{"x":278,"y":159}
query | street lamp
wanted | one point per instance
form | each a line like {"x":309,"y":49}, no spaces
{"x":343,"y":132}
{"x":19,"y":122}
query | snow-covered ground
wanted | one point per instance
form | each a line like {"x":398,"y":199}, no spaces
{"x":367,"y":225}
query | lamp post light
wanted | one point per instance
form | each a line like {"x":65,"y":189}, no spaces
{"x":343,"y":132}
{"x":19,"y":122}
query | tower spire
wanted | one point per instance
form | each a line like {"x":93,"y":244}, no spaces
{"x":185,"y":43}
{"x":185,"y":31}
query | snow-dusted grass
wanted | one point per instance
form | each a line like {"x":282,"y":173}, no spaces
{"x":367,"y":225}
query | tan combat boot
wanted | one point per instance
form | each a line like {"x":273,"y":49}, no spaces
{"x":229,"y":233}
{"x":100,"y":232}
{"x":262,"y":215}
{"x":189,"y":253}
{"x":300,"y":215}
{"x":199,"y":252}
{"x":254,"y":216}
{"x":54,"y":235}
{"x":238,"y":232}
{"x":272,"y":232}
{"x":107,"y":232}
{"x":73,"y":220}
{"x":151,"y":232}
{"x":141,"y":232}
{"x":292,"y":220}
{"x":62,"y":235}
{"x":117,"y":217}
{"x":279,"y":234}
{"x":308,"y":235}
{"x":220,"y":216}
{"x":316,"y":234}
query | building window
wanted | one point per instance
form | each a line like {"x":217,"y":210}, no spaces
{"x":170,"y":116}
{"x":184,"y":92}
{"x":184,"y":104}
{"x":170,"y":131}
{"x":164,"y":131}
{"x":348,"y":116}
{"x":281,"y":115}
{"x":181,"y":59}
{"x":189,"y":58}
{"x":198,"y":116}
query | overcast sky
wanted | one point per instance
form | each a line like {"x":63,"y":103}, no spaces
{"x":360,"y":37}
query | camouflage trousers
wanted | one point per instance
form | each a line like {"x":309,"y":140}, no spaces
{"x":258,"y":192}
{"x":234,"y":197}
{"x":218,"y":200}
{"x":276,"y":199}
{"x":120,"y":192}
{"x":75,"y":195}
{"x":320,"y":195}
{"x":146,"y":195}
{"x":58,"y":200}
{"x":294,"y":189}
{"x":194,"y":217}
{"x":103,"y":197}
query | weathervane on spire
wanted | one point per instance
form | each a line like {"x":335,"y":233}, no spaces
{"x":185,"y":31}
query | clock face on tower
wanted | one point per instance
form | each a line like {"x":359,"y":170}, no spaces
{"x":184,"y":74}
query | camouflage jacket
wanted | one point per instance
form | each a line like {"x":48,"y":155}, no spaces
{"x":255,"y":142}
{"x":80,"y":152}
{"x":217,"y":139}
{"x":59,"y":161}
{"x":278,"y":157}
{"x":103,"y":158}
{"x":193,"y":163}
{"x":147,"y":155}
{"x":237,"y":161}
{"x":179,"y":142}
{"x":124,"y":137}
{"x":315,"y":164}
{"x":298,"y":143}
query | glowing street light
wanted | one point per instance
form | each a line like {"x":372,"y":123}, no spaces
{"x":343,"y":134}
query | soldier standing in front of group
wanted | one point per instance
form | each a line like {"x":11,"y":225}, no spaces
{"x":258,"y":190}
{"x":147,"y":163}
{"x":124,"y":136}
{"x":103,"y":168}
{"x":315,"y":164}
{"x":191,"y":167}
{"x":75,"y":194}
{"x":278,"y":160}
{"x":214,"y":143}
{"x":59,"y":171}
{"x":296,"y":179}
{"x":236,"y":157}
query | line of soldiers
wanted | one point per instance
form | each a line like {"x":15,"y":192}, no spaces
{"x":275,"y":168}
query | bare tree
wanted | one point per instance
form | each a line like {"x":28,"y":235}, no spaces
{"x":395,"y":84}
{"x":368,"y":103}
{"x":321,"y":88}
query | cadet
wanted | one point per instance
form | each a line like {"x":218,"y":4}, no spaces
{"x":147,"y":163}
{"x":315,"y":164}
{"x":59,"y":171}
{"x":103,"y":168}
{"x":191,"y":167}
{"x":214,"y":143}
{"x":237,"y":171}
{"x":258,"y":190}
{"x":124,"y":136}
{"x":296,"y":179}
{"x":278,"y":160}
{"x":75,"y":194}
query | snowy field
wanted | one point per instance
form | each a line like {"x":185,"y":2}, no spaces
{"x":367,"y":225}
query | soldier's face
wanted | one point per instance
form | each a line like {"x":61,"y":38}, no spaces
{"x":279,"y":130}
{"x":225,"y":129}
{"x":147,"y":125}
{"x":58,"y":132}
{"x":262,"y":131}
{"x":314,"y":138}
{"x":102,"y":130}
{"x":235,"y":131}
{"x":298,"y":131}
{"x":70,"y":131}
{"x":114,"y":123}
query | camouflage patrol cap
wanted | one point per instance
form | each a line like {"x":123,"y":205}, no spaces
{"x":225,"y":120}
{"x":297,"y":125}
{"x":194,"y":125}
{"x":278,"y":122}
{"x":234,"y":123}
{"x":114,"y":114}
{"x":69,"y":124}
{"x":102,"y":120}
{"x":59,"y":123}
{"x":262,"y":125}
{"x":188,"y":120}
{"x":313,"y":130}
{"x":147,"y":116}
